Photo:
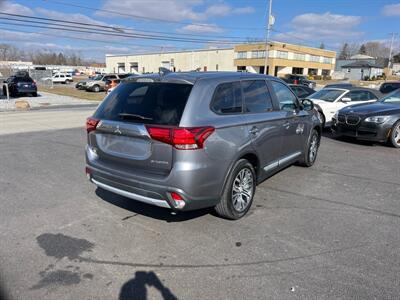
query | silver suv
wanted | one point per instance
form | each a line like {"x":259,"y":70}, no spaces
{"x":186,"y":141}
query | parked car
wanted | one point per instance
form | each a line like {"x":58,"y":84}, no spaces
{"x":20,"y":84}
{"x":186,"y":141}
{"x":60,"y":78}
{"x":329,"y":100}
{"x":111,"y":84}
{"x":378,"y":121}
{"x":389,"y":86}
{"x":301,"y":91}
{"x":299,"y":79}
{"x":96,"y":83}
{"x":340,"y":85}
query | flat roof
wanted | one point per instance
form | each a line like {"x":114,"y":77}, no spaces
{"x":282,"y":43}
{"x":169,"y":52}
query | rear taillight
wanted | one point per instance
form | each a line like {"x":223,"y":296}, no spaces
{"x":91,"y":124}
{"x":177,"y":200}
{"x":296,"y":81}
{"x":181,"y":138}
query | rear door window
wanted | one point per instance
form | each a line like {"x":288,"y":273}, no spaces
{"x":256,"y":96}
{"x":146,"y":102}
{"x":227,"y":98}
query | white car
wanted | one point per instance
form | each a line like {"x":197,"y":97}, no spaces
{"x":60,"y":78}
{"x":329,"y":100}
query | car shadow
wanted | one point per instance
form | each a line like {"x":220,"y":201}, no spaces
{"x":148,"y":210}
{"x":136,"y":288}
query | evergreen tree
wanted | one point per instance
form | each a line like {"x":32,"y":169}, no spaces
{"x":363,"y":50}
{"x":344,"y":53}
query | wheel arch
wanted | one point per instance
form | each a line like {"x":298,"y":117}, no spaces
{"x":249,"y":156}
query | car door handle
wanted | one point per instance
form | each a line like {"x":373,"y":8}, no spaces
{"x":286,"y":125}
{"x":254,"y":130}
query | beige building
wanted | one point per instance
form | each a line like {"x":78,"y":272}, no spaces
{"x":203,"y":60}
{"x":282,"y":59}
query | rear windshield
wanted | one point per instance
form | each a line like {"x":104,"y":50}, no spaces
{"x":23,"y":79}
{"x":146,"y":102}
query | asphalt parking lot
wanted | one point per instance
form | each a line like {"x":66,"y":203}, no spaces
{"x":327,"y":232}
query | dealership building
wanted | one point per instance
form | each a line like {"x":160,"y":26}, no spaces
{"x":283,"y":58}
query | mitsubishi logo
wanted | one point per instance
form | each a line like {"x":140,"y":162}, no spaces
{"x":117,"y":130}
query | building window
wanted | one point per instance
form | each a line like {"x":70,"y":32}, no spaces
{"x":242,"y":54}
{"x":326,"y":72}
{"x":298,"y":56}
{"x":327,"y":60}
{"x":312,"y":72}
{"x":314,"y":58}
{"x":134,"y":67}
{"x":258,"y":54}
{"x":121,"y":68}
{"x":282,"y":54}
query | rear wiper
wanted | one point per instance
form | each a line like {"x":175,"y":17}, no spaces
{"x":133,"y":116}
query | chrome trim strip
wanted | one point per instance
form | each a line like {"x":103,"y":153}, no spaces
{"x":148,"y":200}
{"x":281,"y":161}
{"x":271,"y":166}
{"x":289,"y":158}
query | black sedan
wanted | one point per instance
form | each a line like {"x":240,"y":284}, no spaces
{"x":378,"y":121}
{"x":20,"y":84}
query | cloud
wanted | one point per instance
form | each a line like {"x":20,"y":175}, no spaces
{"x":223,"y":10}
{"x":391,"y":10}
{"x":171,"y":10}
{"x":13,"y":36}
{"x":74,"y":17}
{"x":326,"y":27}
{"x":15,"y":8}
{"x":201,"y":28}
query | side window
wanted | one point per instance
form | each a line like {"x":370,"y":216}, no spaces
{"x":256,"y":96}
{"x":359,"y":95}
{"x":227,"y":98}
{"x":371,"y":96}
{"x":287,"y":100}
{"x":301,"y":93}
{"x":56,"y":76}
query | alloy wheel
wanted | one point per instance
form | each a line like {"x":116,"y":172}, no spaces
{"x":242,"y":189}
{"x":397,"y":135}
{"x":312,"y":153}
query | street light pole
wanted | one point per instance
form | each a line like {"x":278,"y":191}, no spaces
{"x":391,"y":49}
{"x":267,"y":36}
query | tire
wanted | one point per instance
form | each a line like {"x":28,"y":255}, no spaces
{"x":227,"y":207}
{"x":395,"y":135}
{"x":310,"y":156}
{"x":34,"y":94}
{"x":96,"y":88}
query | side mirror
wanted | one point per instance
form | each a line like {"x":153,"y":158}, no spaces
{"x":346,"y":99}
{"x":307,"y":104}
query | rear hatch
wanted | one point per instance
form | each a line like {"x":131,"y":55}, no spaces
{"x":25,"y":83}
{"x":132,"y":125}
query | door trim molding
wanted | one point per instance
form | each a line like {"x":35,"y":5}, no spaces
{"x":281,"y":161}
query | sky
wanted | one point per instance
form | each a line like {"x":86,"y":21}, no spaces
{"x":193,"y":24}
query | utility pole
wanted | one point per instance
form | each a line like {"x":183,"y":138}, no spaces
{"x":391,"y":49}
{"x":269,"y":25}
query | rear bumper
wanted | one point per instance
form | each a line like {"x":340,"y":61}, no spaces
{"x":26,"y":90}
{"x":146,"y":192}
{"x":134,"y":196}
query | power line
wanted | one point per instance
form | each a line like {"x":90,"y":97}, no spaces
{"x":116,"y":28}
{"x":84,"y":39}
{"x":145,"y":18}
{"x":114,"y":31}
{"x":135,"y":36}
